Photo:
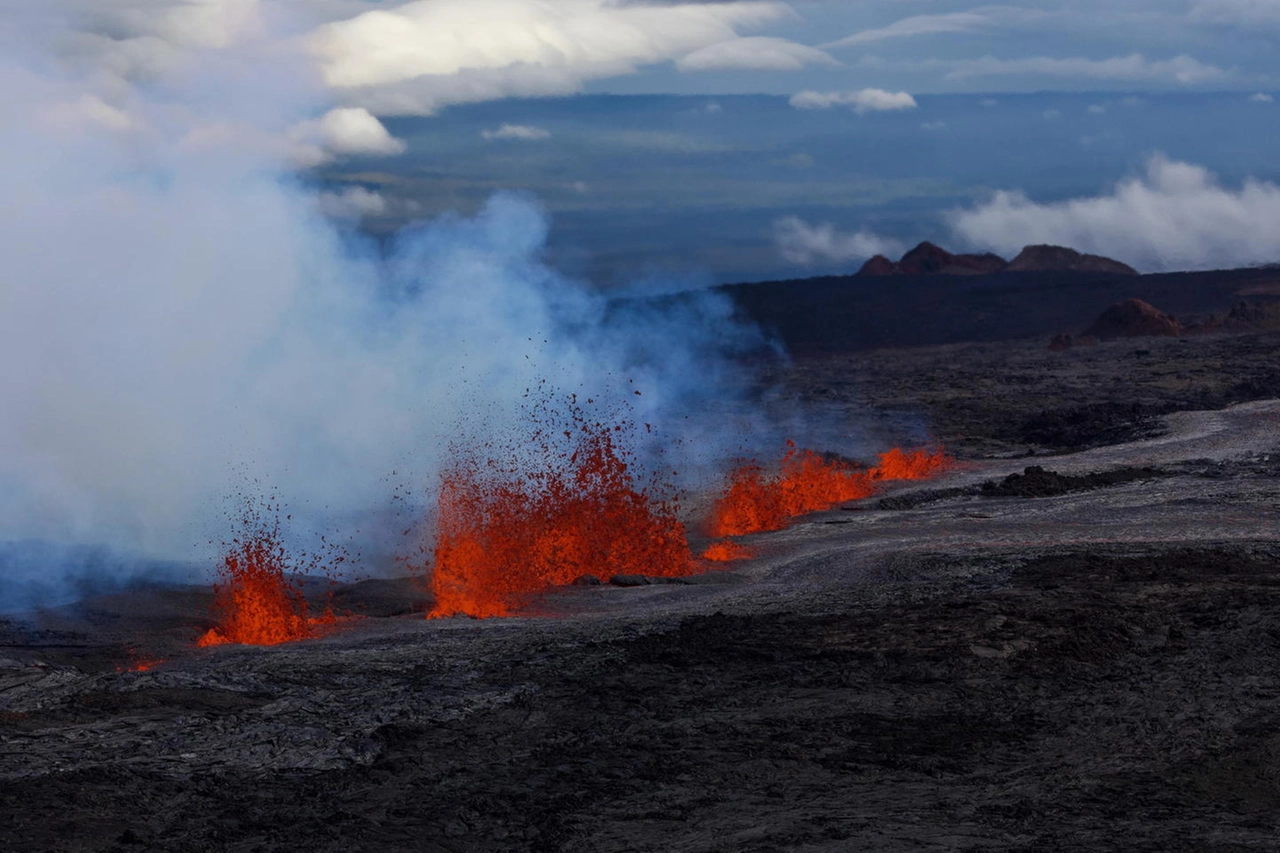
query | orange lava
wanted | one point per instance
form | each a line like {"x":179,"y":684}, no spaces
{"x":507,"y":532}
{"x":255,"y":604}
{"x":725,"y":551}
{"x":141,"y":665}
{"x":898,"y":464}
{"x":808,"y":482}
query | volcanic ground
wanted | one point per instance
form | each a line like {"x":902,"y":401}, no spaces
{"x":1069,"y":641}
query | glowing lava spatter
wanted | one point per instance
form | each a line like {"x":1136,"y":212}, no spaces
{"x":808,"y":482}
{"x":506,"y":532}
{"x":256,"y":603}
{"x":898,"y":464}
{"x":725,"y":551}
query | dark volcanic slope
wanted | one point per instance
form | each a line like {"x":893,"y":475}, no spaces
{"x":843,"y":313}
{"x":1015,"y":396}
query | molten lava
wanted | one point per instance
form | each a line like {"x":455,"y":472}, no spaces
{"x":507,"y":532}
{"x":725,"y":551}
{"x":808,"y":482}
{"x":898,"y":464}
{"x":256,"y":604}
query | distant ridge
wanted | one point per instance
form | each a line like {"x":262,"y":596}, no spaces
{"x":847,"y":313}
{"x":930,"y":259}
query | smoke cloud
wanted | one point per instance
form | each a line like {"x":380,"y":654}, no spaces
{"x":180,"y":319}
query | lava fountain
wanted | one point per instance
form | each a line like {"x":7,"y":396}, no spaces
{"x":506,"y":531}
{"x":256,"y":602}
{"x":755,"y":501}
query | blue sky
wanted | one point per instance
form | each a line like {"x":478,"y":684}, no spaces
{"x":699,"y":188}
{"x":939,"y":46}
{"x":886,"y":117}
{"x":1138,"y":128}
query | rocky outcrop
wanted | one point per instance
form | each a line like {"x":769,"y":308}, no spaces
{"x":1045,"y":258}
{"x":1253,"y":317}
{"x":1133,"y":318}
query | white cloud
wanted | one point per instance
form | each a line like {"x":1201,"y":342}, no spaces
{"x":351,"y":203}
{"x":1097,"y":109}
{"x":933,"y":125}
{"x":863,"y":100}
{"x":1135,"y":67}
{"x":1176,"y":216}
{"x":922,"y":25}
{"x":759,"y":53}
{"x":517,"y":131}
{"x":809,"y":245}
{"x":353,"y":130}
{"x":1261,"y":98}
{"x":340,"y":132}
{"x":420,"y":56}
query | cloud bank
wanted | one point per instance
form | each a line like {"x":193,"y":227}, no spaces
{"x":1176,"y":216}
{"x":410,"y":58}
{"x":421,"y":56}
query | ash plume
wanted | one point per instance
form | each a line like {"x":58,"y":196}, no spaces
{"x":179,"y":319}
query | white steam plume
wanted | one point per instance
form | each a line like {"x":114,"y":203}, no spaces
{"x":177,"y":316}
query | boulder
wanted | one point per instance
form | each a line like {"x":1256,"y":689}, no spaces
{"x":1133,"y":318}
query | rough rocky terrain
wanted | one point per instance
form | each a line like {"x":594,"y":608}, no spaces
{"x":972,"y":663}
{"x":1021,"y":398}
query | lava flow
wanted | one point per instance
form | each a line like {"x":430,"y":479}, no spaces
{"x":808,"y":482}
{"x":507,"y":532}
{"x":255,"y":603}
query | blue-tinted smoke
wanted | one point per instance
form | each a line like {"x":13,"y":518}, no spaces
{"x":177,"y":320}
